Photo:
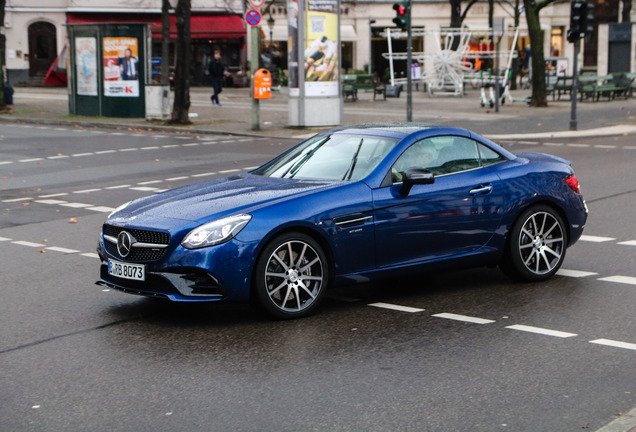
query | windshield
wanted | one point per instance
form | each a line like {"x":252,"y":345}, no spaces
{"x":335,"y":157}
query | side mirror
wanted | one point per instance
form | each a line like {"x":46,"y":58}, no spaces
{"x":413,"y":176}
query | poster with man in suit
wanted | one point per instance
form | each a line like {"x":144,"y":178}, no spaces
{"x":121,"y":67}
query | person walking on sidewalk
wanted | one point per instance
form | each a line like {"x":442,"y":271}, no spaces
{"x":217,"y":72}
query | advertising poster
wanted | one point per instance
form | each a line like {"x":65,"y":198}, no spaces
{"x":121,"y":71}
{"x":86,"y":65}
{"x":321,"y":53}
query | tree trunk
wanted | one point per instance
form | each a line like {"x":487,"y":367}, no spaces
{"x":181,"y":105}
{"x":627,"y":9}
{"x":165,"y":42}
{"x":2,"y":48}
{"x":539,"y":98}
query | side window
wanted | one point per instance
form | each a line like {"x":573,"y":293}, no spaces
{"x":444,"y":155}
{"x":489,"y":156}
{"x":460,"y":154}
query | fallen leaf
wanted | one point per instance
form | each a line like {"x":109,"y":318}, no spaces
{"x":25,"y":204}
{"x":42,"y":251}
{"x":72,"y":220}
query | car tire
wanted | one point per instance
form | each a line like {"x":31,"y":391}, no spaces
{"x":536,"y":245}
{"x":291,"y":276}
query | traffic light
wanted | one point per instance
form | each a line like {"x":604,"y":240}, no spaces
{"x":580,"y":18}
{"x":401,"y":14}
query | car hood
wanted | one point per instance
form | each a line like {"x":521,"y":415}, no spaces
{"x":217,"y":198}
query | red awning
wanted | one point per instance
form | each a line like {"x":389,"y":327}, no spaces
{"x":201,"y":26}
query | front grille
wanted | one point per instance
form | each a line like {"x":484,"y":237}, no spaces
{"x":142,"y":236}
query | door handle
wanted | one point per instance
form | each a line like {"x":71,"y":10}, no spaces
{"x":481,"y":189}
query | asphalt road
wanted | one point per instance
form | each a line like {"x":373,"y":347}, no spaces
{"x":462,"y":351}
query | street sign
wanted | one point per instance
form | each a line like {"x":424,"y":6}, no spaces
{"x":256,"y":4}
{"x":253,"y":17}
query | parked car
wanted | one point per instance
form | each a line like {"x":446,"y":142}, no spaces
{"x":347,"y":205}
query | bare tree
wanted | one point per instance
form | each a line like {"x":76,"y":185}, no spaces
{"x":182,"y":73}
{"x":2,"y":49}
{"x":532,"y":9}
{"x":165,"y":42}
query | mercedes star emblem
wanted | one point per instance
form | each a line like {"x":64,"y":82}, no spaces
{"x":124,"y":243}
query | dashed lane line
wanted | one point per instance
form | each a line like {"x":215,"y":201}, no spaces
{"x":396,"y":307}
{"x":595,"y":239}
{"x":540,"y":330}
{"x":628,"y":243}
{"x":620,"y":279}
{"x":132,"y":149}
{"x":464,"y":318}
{"x":613,"y":343}
{"x":574,"y":273}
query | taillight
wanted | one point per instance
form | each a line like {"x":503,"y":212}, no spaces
{"x":573,"y":183}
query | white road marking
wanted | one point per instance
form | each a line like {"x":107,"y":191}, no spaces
{"x":58,"y":157}
{"x":5,"y":239}
{"x":105,"y":152}
{"x":613,"y":343}
{"x":170,"y":146}
{"x":90,"y":255}
{"x":203,"y":174}
{"x":177,"y":178}
{"x":191,"y":145}
{"x":86,"y":191}
{"x":61,"y":249}
{"x":628,"y":243}
{"x":27,"y":243}
{"x":15,"y":200}
{"x":5,"y":162}
{"x":50,"y":201}
{"x":150,"y":148}
{"x":101,"y":209}
{"x":540,"y":330}
{"x":118,"y":187}
{"x":128,"y":149}
{"x":574,"y":273}
{"x":464,"y":318}
{"x":596,"y":239}
{"x":150,"y":182}
{"x":229,"y":171}
{"x":396,"y":307}
{"x":553,"y":144}
{"x":620,"y":279}
{"x":31,"y":160}
{"x":604,"y":146}
{"x":76,"y":205}
{"x":578,"y":145}
{"x":54,"y":195}
{"x":144,"y":189}
{"x":82,"y":154}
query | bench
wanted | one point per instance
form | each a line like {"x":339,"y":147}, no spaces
{"x":352,"y":83}
{"x":563,"y":85}
{"x":610,"y":86}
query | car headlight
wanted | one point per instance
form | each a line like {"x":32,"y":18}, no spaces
{"x":120,"y":208}
{"x":217,"y":232}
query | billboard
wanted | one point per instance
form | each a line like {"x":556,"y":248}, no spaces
{"x":121,"y":66}
{"x":322,"y":48}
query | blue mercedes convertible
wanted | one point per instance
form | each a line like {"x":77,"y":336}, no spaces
{"x":347,"y":205}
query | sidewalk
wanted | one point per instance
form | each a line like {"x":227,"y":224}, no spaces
{"x":47,"y":105}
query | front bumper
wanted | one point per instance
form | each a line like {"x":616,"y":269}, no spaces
{"x":215,"y":273}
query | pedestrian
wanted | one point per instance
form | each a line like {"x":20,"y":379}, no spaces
{"x":217,"y":72}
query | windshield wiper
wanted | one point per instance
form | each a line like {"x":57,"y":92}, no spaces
{"x":354,"y":161}
{"x":298,"y":165}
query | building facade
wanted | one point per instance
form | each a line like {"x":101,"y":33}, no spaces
{"x":36,"y":32}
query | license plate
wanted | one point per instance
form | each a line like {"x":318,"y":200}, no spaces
{"x":127,"y":271}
